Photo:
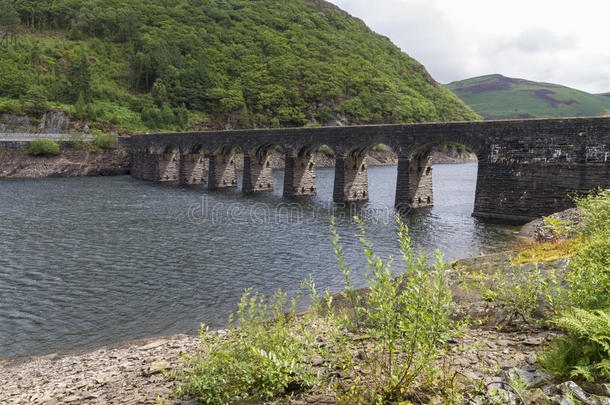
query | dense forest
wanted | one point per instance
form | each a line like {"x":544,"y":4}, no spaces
{"x":137,"y":65}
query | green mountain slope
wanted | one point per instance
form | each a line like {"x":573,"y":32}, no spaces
{"x":497,"y":96}
{"x":171,"y":65}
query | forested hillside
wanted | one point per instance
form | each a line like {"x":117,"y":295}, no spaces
{"x":142,"y":65}
{"x":500,"y":97}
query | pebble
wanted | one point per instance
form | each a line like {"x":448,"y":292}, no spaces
{"x":102,"y":376}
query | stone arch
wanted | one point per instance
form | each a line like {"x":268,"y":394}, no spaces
{"x":414,"y":185}
{"x":194,"y":164}
{"x":222,"y":166}
{"x":167,"y":162}
{"x":162,"y":148}
{"x":195,"y":148}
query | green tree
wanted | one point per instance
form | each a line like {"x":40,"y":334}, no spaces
{"x":9,"y":23}
{"x":13,"y":80}
{"x":79,"y":77}
{"x":159,"y":92}
{"x":34,"y":101}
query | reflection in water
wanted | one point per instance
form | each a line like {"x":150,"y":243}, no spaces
{"x":91,"y":261}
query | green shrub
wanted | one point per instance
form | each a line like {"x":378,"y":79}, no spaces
{"x":523,"y":290}
{"x":585,"y":283}
{"x":43,"y":147}
{"x":274,"y":123}
{"x":588,"y":280}
{"x":106,"y":141}
{"x":262,"y":357}
{"x":595,"y":210}
{"x":589,"y":277}
{"x":10,"y":106}
{"x":35,"y":102}
{"x":326,"y":150}
{"x":585,"y":351}
{"x":380,"y":148}
{"x":165,"y":117}
{"x":407,"y":316}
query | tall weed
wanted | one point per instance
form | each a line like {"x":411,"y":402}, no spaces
{"x":403,"y":318}
{"x":262,"y":355}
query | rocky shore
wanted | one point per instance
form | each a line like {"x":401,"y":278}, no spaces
{"x":542,"y":231}
{"x":77,"y":163}
{"x":489,"y":356}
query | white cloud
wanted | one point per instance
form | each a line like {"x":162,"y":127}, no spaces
{"x":553,"y":41}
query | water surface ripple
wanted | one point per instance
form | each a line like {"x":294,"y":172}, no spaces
{"x":86,"y":262}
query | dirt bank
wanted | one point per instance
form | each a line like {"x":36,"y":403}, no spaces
{"x":68,"y":164}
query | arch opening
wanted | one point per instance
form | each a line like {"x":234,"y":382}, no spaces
{"x":437,"y":174}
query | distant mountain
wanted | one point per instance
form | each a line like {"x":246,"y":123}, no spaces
{"x":500,"y":97}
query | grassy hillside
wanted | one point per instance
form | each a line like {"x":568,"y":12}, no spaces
{"x":170,"y":65}
{"x":497,"y":96}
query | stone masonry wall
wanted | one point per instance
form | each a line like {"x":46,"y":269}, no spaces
{"x":414,"y":184}
{"x":222,"y":171}
{"x":193,"y":169}
{"x":299,"y":176}
{"x":519,"y":192}
{"x":168,"y":166}
{"x":258,"y":174}
{"x":351,"y":180}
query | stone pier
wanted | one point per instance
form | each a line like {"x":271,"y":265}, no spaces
{"x":351,"y":180}
{"x":299,"y":176}
{"x":192,"y":169}
{"x":144,"y":166}
{"x":167,"y":165}
{"x":414,"y":183}
{"x":222,"y":171}
{"x":138,"y":160}
{"x":258,"y":174}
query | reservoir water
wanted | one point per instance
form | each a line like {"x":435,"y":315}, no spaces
{"x":86,"y":262}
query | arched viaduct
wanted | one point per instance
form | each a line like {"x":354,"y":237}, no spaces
{"x":526,"y":168}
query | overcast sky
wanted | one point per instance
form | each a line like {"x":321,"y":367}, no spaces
{"x":559,"y":41}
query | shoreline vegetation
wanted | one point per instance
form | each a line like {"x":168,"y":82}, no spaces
{"x":530,"y":326}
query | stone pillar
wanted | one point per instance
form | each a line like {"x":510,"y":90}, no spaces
{"x":140,"y":165}
{"x":167,"y":167}
{"x":351,"y":180}
{"x":299,"y":176}
{"x":192,"y":169}
{"x":520,"y":192}
{"x":139,"y":162}
{"x":146,"y":166}
{"x":222,"y":171}
{"x":258,"y":174}
{"x":136,"y":165}
{"x":151,"y":167}
{"x":414,"y":183}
